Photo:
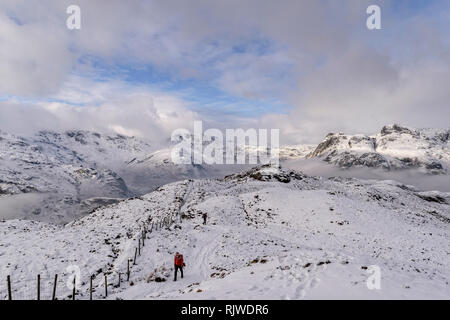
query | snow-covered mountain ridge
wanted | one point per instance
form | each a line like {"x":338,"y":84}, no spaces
{"x":53,"y":174}
{"x":271,"y":234}
{"x":58,"y":177}
{"x":395,"y":147}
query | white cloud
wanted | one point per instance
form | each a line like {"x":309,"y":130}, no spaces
{"x":108,"y":107}
{"x":34,"y":59}
{"x":321,"y":60}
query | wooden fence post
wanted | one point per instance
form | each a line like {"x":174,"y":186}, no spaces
{"x":135,"y":254}
{"x":90,"y":287}
{"x":119,"y":279}
{"x":9,"y":287}
{"x":139,"y":246}
{"x":39,"y":287}
{"x":74,"y":285}
{"x":128,"y":270}
{"x":106,"y":285}
{"x":54,"y":287}
{"x":143,"y":238}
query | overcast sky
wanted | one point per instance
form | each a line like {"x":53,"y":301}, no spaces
{"x":149,"y":67}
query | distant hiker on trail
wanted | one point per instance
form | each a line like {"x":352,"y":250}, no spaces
{"x":179,"y":264}
{"x":204,"y":216}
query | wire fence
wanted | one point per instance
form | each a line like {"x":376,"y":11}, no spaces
{"x":56,"y":287}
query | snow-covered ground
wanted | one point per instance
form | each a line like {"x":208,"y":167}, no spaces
{"x":60,"y":176}
{"x":270,"y":235}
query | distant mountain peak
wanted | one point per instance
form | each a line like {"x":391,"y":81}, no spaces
{"x":395,"y":147}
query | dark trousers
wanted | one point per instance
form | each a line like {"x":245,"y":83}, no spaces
{"x":176,"y":271}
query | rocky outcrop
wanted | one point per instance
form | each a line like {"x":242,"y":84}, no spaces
{"x":395,"y":147}
{"x":267,"y":173}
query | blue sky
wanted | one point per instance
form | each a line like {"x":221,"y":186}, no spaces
{"x":200,"y":93}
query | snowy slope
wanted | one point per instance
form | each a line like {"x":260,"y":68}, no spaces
{"x":57,"y":177}
{"x":56,"y":173}
{"x":285,"y":152}
{"x":395,"y":147}
{"x":157,"y":169}
{"x":295,"y":151}
{"x":271,"y":234}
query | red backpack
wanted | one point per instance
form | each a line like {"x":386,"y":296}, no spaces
{"x":179,"y":260}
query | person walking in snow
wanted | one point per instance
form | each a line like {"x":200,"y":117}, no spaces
{"x":205,"y":216}
{"x":179,"y":264}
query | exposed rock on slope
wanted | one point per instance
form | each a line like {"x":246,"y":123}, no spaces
{"x":395,"y":147}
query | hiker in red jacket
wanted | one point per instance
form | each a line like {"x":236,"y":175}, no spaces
{"x":179,"y":264}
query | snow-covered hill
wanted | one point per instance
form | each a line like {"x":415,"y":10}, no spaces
{"x":395,"y":147}
{"x":157,"y":168}
{"x":58,"y":176}
{"x":271,"y":234}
